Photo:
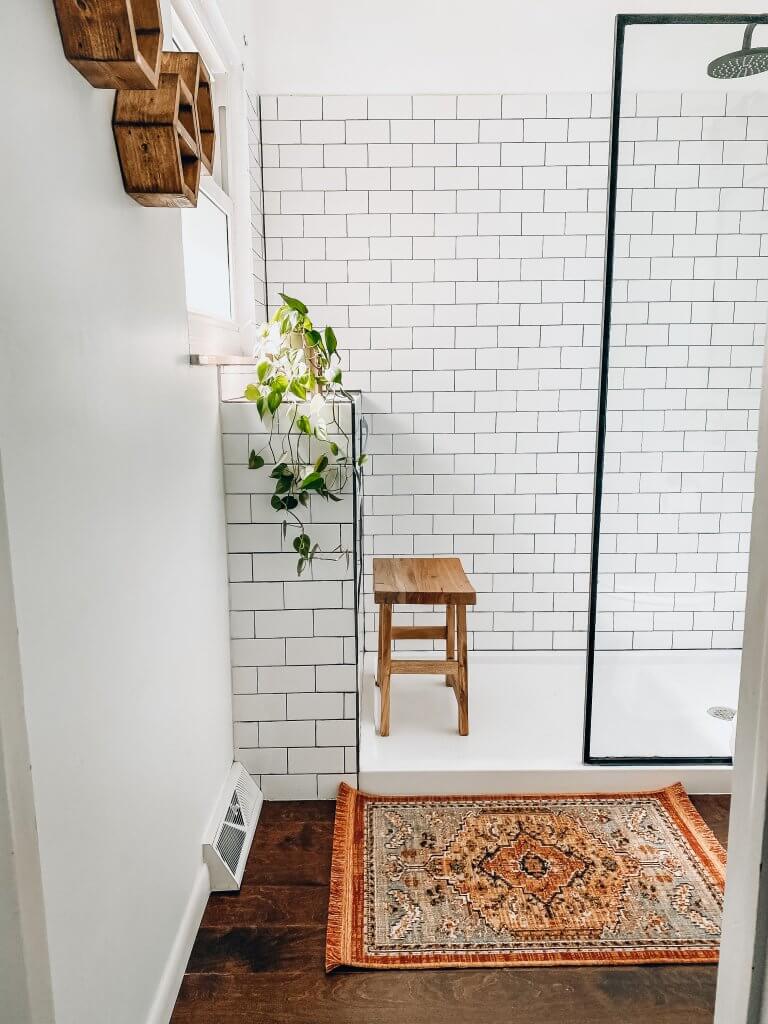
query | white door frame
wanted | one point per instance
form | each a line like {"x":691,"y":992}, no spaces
{"x":740,"y":981}
{"x":17,"y":809}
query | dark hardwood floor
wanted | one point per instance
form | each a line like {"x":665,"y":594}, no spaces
{"x":259,"y":956}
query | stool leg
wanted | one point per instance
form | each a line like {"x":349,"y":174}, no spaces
{"x":378,"y":657}
{"x":386,"y":659}
{"x":463,"y":687}
{"x":450,"y":637}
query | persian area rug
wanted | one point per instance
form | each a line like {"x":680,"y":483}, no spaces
{"x":510,"y":881}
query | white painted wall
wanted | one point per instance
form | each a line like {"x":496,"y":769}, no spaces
{"x":111,"y":453}
{"x":422,"y":46}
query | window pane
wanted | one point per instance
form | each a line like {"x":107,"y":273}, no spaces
{"x":206,"y":259}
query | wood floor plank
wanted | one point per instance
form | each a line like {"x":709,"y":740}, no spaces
{"x":259,"y":957}
{"x":576,"y":995}
{"x":268,"y":905}
{"x":714,"y":810}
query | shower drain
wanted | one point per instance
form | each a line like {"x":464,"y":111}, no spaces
{"x":723,"y":713}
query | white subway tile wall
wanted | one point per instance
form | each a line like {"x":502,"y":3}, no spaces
{"x":686,"y":359}
{"x":293,"y":650}
{"x":456,"y":243}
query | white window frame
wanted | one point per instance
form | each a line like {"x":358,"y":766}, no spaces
{"x":199,"y":25}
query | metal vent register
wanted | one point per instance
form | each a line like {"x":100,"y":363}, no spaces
{"x":234,"y":825}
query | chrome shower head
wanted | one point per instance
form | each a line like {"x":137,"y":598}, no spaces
{"x":741,"y":63}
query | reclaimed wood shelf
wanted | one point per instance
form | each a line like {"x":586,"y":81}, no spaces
{"x":157,"y":138}
{"x":114,"y":44}
{"x":195,"y":76}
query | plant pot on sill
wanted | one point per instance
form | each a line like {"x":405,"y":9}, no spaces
{"x":298,"y":340}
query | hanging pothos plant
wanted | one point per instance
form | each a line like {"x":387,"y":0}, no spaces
{"x":307,"y":451}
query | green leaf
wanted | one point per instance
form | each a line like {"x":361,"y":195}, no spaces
{"x":255,"y":461}
{"x":321,"y":464}
{"x":304,"y":498}
{"x":294,"y":304}
{"x":280,"y":383}
{"x":362,"y":459}
{"x":313,"y":338}
{"x":332,"y":496}
{"x":300,"y":566}
{"x":301,"y":544}
{"x":280,"y":470}
{"x":276,"y":502}
{"x":252,"y":393}
{"x":273,"y":400}
{"x":336,"y":377}
{"x":262,"y":370}
{"x":260,"y":406}
{"x":283,"y":485}
{"x":311,"y":481}
{"x":303,"y":424}
{"x":298,"y":389}
{"x":330,"y":341}
{"x":290,"y":502}
{"x":334,"y":448}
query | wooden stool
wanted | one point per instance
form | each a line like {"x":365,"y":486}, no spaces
{"x":424,"y":581}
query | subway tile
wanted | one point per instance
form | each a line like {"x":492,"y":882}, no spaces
{"x":345,"y":107}
{"x":434,"y":106}
{"x":390,"y":107}
{"x":299,"y":108}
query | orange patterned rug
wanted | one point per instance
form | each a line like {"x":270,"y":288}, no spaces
{"x":510,"y":881}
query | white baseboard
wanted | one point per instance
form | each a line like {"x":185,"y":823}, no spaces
{"x":173,"y":972}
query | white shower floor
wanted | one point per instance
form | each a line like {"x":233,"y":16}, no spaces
{"x":654,"y":703}
{"x":526,"y":717}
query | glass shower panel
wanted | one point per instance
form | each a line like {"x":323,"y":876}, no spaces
{"x":688,"y":317}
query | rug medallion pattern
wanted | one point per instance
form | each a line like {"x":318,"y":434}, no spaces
{"x":464,"y":881}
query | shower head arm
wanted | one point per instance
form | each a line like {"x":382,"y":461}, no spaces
{"x":747,"y":44}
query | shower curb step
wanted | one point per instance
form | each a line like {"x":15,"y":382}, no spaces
{"x":577,"y":779}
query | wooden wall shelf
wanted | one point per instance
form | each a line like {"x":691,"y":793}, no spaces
{"x":195,"y":75}
{"x":157,"y":138}
{"x":114,"y":44}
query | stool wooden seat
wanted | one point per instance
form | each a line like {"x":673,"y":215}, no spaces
{"x":439,"y":581}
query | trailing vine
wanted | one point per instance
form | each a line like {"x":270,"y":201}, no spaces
{"x":299,"y":382}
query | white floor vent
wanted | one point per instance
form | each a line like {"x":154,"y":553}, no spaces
{"x":232,"y":832}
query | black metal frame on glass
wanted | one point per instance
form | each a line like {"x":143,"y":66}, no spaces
{"x":622,"y":22}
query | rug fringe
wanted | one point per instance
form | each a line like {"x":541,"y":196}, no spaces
{"x":339,"y":900}
{"x":698,"y":832}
